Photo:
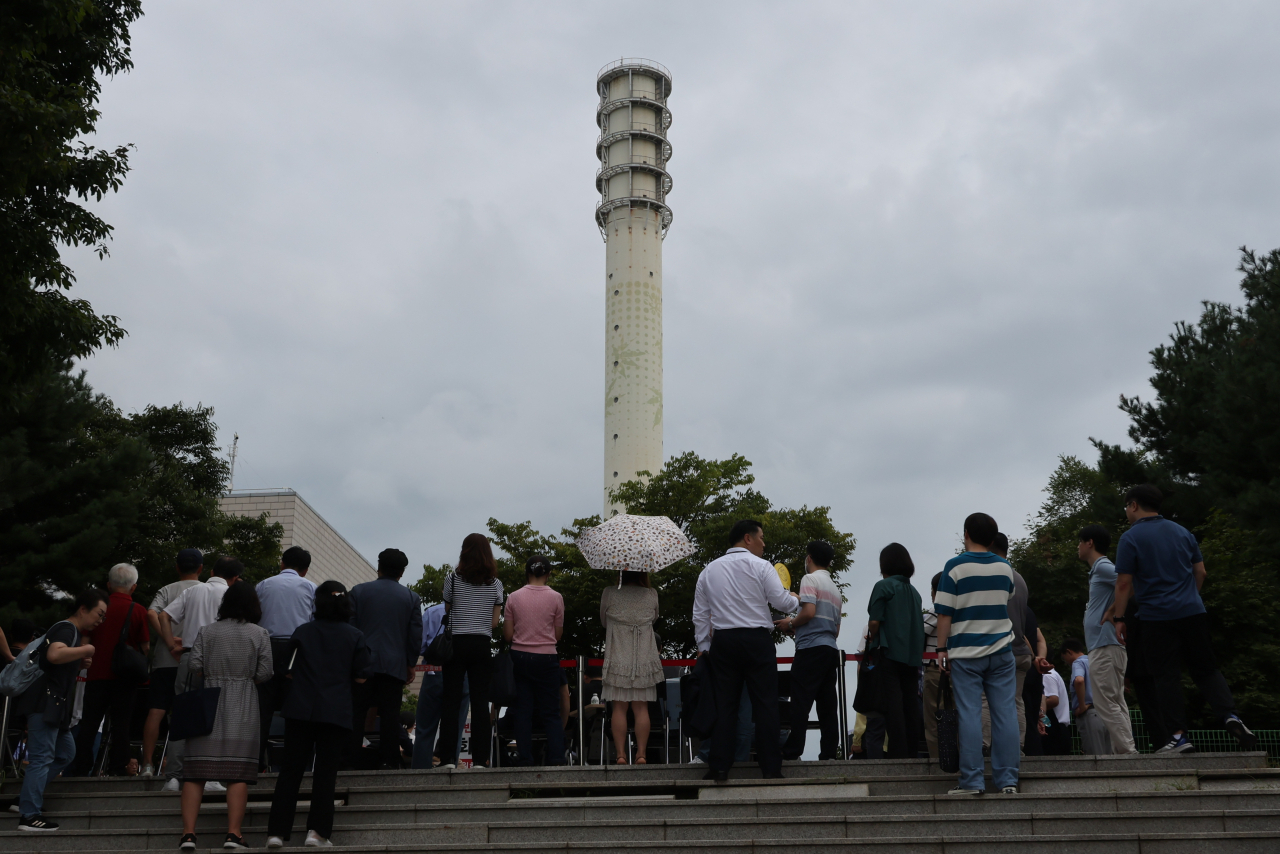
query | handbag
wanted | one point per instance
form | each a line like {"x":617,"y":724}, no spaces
{"x":948,"y":727}
{"x":127,"y":664}
{"x":869,"y":696}
{"x":440,"y":650}
{"x":194,"y":712}
{"x":502,"y":688}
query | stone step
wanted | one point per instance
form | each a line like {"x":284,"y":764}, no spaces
{"x":1243,"y":842}
{"x":844,"y":770}
{"x":1138,"y":778}
{"x":160,"y":814}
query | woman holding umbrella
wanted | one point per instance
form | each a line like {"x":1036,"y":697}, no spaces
{"x":632,"y":666}
{"x":633,"y":547}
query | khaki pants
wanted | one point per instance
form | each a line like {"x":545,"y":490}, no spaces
{"x":1106,"y":679}
{"x":1022,"y":664}
{"x":932,"y":675}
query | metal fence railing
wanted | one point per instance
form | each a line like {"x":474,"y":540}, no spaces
{"x":1205,"y":740}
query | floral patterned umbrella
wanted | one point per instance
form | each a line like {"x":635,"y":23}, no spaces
{"x":635,"y":543}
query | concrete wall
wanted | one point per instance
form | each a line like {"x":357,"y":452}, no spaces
{"x":331,"y":555}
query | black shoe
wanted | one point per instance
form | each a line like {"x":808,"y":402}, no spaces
{"x":1241,"y":733}
{"x":717,"y":776}
{"x":36,"y":822}
{"x":188,"y":842}
{"x":234,"y":841}
{"x":777,"y":775}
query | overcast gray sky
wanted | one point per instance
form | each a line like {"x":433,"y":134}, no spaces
{"x":919,"y":249}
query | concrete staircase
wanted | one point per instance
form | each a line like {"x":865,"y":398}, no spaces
{"x":1201,"y":803}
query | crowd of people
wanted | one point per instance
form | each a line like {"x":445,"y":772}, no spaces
{"x":332,"y":662}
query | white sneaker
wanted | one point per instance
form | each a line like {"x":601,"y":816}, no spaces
{"x":447,"y":766}
{"x":315,"y":840}
{"x":697,"y":760}
{"x":214,"y":786}
{"x":173,"y":785}
{"x":275,"y":842}
{"x":147,"y":772}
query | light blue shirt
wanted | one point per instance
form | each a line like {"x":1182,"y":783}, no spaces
{"x":1102,"y":593}
{"x":1080,"y":669}
{"x":288,"y":600}
{"x":432,"y":625}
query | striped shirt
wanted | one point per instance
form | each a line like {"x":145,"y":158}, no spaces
{"x":471,"y":605}
{"x":818,"y":589}
{"x":974,"y":592}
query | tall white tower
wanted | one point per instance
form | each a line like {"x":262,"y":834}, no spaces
{"x":633,"y":217}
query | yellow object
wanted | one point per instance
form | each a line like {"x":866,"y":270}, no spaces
{"x":784,"y":575}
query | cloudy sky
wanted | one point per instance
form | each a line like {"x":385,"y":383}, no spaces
{"x":919,"y":249}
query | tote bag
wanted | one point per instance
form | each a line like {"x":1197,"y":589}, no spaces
{"x":869,"y":696}
{"x":948,"y":727}
{"x":194,"y":712}
{"x":440,"y":650}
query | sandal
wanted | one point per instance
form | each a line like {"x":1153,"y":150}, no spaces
{"x":640,"y":760}
{"x":622,"y":760}
{"x":188,"y":842}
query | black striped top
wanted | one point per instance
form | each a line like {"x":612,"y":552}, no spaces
{"x":471,"y":605}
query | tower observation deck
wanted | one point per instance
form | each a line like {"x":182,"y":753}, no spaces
{"x":633,"y":218}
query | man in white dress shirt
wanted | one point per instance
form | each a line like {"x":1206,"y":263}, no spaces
{"x":731,"y":620}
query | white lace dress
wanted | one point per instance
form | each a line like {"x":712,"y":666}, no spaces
{"x":632,"y":666}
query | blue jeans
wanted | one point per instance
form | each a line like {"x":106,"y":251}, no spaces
{"x":970,"y":677}
{"x":429,"y":698}
{"x":538,"y":693}
{"x":745,"y":735}
{"x":49,"y":750}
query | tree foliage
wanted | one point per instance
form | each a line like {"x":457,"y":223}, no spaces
{"x":1210,"y":440}
{"x":84,"y":486}
{"x":52,"y":53}
{"x":703,"y":497}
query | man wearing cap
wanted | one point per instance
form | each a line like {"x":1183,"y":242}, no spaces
{"x":195,"y":608}
{"x":164,"y":667}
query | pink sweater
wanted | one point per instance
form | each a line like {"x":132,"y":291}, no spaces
{"x":536,"y":612}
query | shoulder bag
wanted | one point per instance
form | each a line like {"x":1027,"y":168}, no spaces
{"x":440,"y":650}
{"x":869,"y":695}
{"x":127,"y":664}
{"x":948,"y":727}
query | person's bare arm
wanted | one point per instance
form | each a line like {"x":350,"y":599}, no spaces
{"x":5,"y":655}
{"x":1041,"y":646}
{"x":508,"y":627}
{"x":60,"y":653}
{"x":1051,"y":701}
{"x":873,"y":630}
{"x":1124,"y":589}
{"x":1198,"y":569}
{"x":497,"y":614}
{"x":171,"y":641}
{"x":1078,"y":685}
{"x":559,"y":632}
{"x":944,"y":632}
{"x":807,"y":610}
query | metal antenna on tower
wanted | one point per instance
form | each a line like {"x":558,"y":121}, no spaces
{"x":235,"y":442}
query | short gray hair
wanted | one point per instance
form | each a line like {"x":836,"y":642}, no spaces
{"x":122,"y":576}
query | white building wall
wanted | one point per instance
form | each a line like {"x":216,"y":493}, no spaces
{"x":331,"y":555}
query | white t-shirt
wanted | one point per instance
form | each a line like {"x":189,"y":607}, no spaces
{"x":1054,"y":686}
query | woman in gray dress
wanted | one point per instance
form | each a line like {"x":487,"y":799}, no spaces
{"x":632,"y":666}
{"x":233,"y":654}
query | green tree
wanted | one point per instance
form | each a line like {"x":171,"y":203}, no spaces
{"x":1215,"y":420}
{"x":52,"y":54}
{"x":84,"y":486}
{"x":703,"y":497}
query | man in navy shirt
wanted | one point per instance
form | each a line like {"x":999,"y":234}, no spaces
{"x":1159,"y":563}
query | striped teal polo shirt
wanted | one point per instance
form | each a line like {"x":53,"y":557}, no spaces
{"x":974,"y":592}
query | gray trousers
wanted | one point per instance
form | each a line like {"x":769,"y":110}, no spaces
{"x":1094,"y":740}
